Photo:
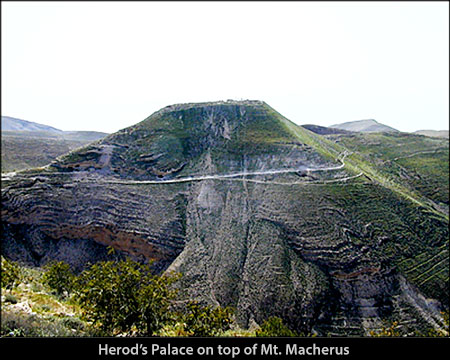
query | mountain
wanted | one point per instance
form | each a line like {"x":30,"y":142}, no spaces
{"x":27,"y":144}
{"x":333,"y":234}
{"x":369,"y":125}
{"x":14,"y":124}
{"x":433,"y":133}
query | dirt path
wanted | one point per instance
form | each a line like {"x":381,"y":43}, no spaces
{"x":237,"y":176}
{"x":242,"y":176}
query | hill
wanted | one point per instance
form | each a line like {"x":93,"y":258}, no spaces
{"x":433,"y":133}
{"x":26,"y":144}
{"x":369,"y":125}
{"x":14,"y":124}
{"x":333,"y":233}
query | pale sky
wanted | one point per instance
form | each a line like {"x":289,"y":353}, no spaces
{"x":105,"y":66}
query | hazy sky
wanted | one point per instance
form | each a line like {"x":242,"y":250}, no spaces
{"x":105,"y":66}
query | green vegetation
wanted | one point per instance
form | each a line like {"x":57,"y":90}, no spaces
{"x":113,"y":298}
{"x":412,"y":240}
{"x":170,"y":142}
{"x":206,"y":321}
{"x":274,"y":327}
{"x":10,"y":273}
{"x":384,"y":146}
{"x":59,"y":277}
{"x":31,"y":308}
{"x":107,"y":299}
{"x":124,"y":296}
{"x":24,"y":325}
{"x":419,"y":163}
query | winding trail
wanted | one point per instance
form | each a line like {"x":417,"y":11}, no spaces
{"x":241,"y":176}
{"x":237,"y":176}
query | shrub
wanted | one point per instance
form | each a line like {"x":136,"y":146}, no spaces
{"x":273,"y":327}
{"x":10,"y":274}
{"x":124,"y":295}
{"x":206,"y":321}
{"x":59,"y":277}
{"x":155,"y":298}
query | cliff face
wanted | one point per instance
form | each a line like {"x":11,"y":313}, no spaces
{"x":253,"y":214}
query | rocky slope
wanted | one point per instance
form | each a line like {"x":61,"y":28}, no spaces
{"x":254,"y":211}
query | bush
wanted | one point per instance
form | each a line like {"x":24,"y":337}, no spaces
{"x":10,"y":274}
{"x":206,"y":321}
{"x":59,"y":277}
{"x":273,"y":327}
{"x":122,"y":296}
{"x":155,"y":298}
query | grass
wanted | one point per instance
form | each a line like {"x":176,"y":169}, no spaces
{"x":31,"y":309}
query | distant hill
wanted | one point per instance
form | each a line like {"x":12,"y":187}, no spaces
{"x":323,"y":130}
{"x":14,"y":124}
{"x":369,"y":125}
{"x":433,"y":133}
{"x":27,"y":144}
